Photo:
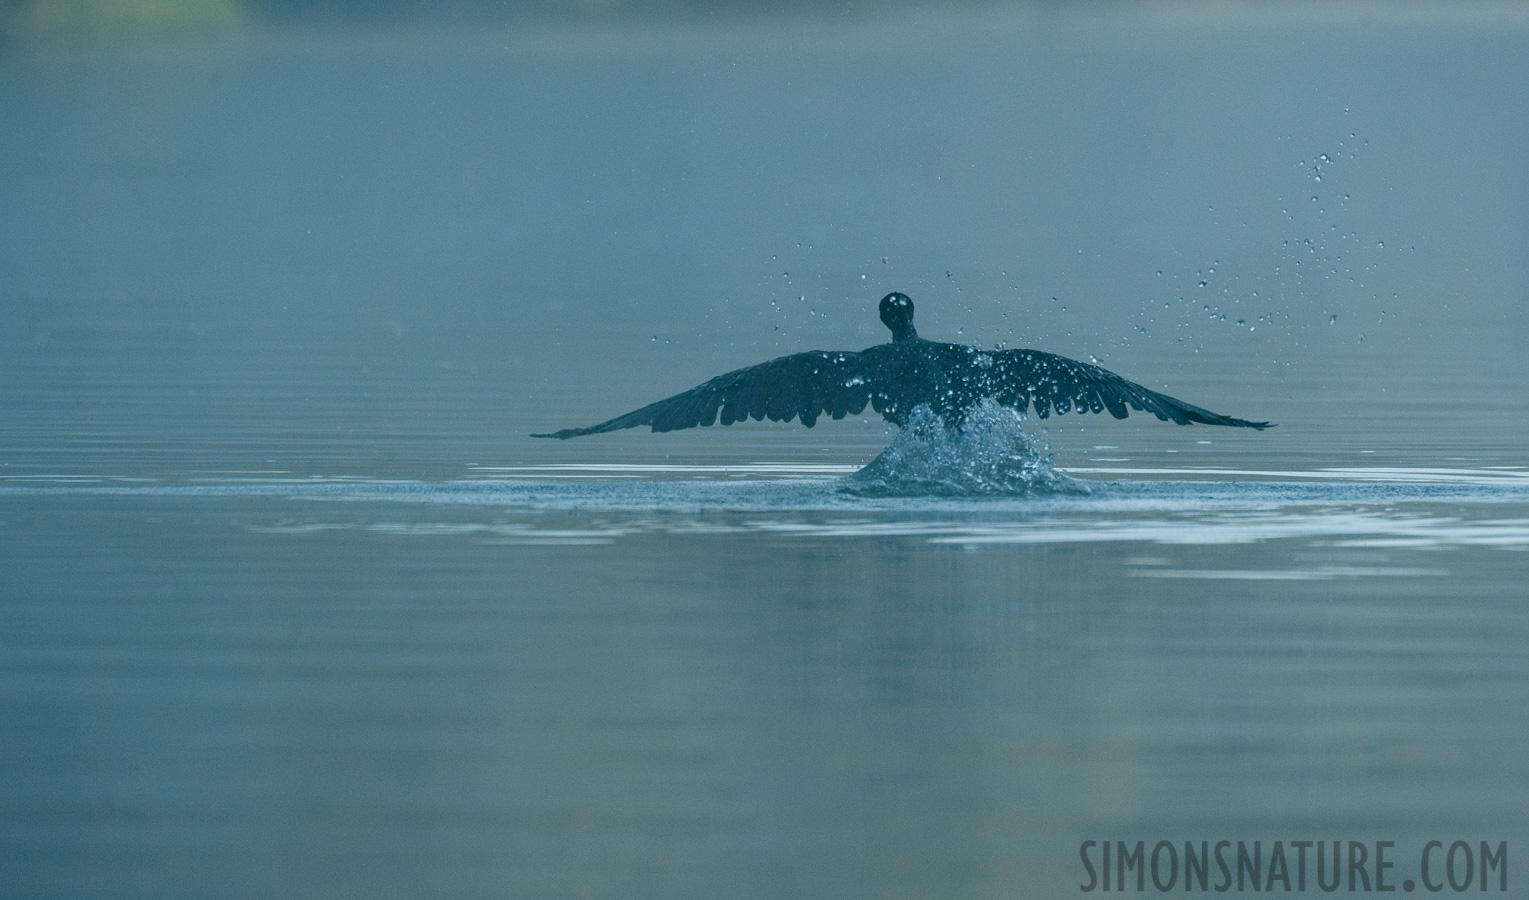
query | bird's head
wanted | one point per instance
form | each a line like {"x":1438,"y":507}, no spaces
{"x":897,"y":314}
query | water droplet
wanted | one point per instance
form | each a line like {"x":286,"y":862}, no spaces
{"x":1333,"y":319}
{"x":1381,"y":244}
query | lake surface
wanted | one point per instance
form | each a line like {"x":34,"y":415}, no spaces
{"x":292,"y":605}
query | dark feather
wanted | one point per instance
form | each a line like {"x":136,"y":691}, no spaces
{"x":897,"y":377}
{"x":1044,"y":377}
{"x":804,"y":385}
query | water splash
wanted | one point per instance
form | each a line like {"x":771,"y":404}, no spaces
{"x":988,"y":455}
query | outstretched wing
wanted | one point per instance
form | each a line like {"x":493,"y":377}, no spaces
{"x":804,"y":385}
{"x":1051,"y":383}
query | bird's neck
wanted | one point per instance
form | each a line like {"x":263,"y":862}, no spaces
{"x":904,"y":333}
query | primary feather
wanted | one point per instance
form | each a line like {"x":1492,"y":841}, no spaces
{"x":895,"y":377}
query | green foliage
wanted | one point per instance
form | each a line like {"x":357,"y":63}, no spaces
{"x":39,"y":18}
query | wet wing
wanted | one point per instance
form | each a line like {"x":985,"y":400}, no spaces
{"x":802,"y":385}
{"x":1056,"y":384}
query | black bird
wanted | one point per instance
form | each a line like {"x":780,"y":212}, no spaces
{"x":896,"y":377}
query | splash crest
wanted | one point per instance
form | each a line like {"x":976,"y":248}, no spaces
{"x":987,"y":455}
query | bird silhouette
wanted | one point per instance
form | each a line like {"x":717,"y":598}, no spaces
{"x":899,"y":376}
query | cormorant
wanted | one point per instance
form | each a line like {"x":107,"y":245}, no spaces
{"x":896,"y":377}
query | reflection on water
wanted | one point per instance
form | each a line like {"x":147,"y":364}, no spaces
{"x":1376,"y":508}
{"x":1319,"y":573}
{"x":659,"y":680}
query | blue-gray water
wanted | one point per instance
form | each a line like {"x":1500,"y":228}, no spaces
{"x":291,"y":604}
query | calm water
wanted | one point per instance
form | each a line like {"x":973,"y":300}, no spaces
{"x":291,"y":604}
